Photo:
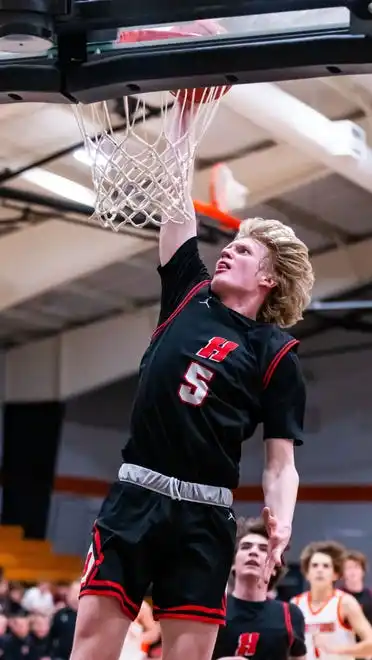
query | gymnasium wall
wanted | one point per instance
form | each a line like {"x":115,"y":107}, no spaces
{"x":337,"y":448}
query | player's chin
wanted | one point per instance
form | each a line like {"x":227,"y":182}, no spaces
{"x":221,"y":281}
{"x":253,"y":571}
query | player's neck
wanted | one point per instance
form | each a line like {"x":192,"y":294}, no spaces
{"x":355,"y":586}
{"x":246,"y":305}
{"x":250,"y":590}
{"x":321,"y":595}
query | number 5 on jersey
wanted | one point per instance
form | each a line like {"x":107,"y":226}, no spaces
{"x":197,"y":378}
{"x":196,"y":386}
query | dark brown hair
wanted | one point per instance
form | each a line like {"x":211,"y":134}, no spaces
{"x":247,"y":526}
{"x":358,"y":557}
{"x":336,"y":551}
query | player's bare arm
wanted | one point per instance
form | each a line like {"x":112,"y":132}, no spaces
{"x":352,"y":612}
{"x":175,"y":234}
{"x":151,"y":628}
{"x":300,"y":657}
{"x":280,"y":485}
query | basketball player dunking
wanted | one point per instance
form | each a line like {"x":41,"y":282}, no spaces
{"x":258,"y":626}
{"x":333,"y":618}
{"x":218,"y":364}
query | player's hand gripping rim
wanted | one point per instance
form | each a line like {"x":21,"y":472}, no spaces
{"x":279,"y":537}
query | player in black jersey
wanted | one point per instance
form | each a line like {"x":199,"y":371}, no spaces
{"x":256,"y":626}
{"x":354,"y":571}
{"x":218,"y":364}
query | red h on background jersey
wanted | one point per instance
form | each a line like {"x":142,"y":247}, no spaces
{"x":247,"y":644}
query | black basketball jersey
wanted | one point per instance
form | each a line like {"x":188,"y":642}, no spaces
{"x":207,"y":379}
{"x":268,"y":630}
{"x":364,"y":599}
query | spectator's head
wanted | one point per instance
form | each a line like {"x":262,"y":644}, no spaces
{"x":73,"y":595}
{"x":40,"y":625}
{"x":44,"y":587}
{"x":16,"y":592}
{"x":3,"y":624}
{"x":355,"y":568}
{"x":19,"y":623}
{"x":251,"y":552}
{"x":322,"y":563}
{"x":60,"y":593}
{"x":4,"y":586}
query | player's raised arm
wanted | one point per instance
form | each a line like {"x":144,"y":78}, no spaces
{"x":175,"y":233}
{"x":182,"y":271}
{"x":284,"y":407}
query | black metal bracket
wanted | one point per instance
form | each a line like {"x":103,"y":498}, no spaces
{"x":72,"y":73}
{"x":101,"y":14}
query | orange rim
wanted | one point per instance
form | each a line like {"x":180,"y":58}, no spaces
{"x":228,"y":221}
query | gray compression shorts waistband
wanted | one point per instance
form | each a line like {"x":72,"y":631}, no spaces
{"x":174,"y":488}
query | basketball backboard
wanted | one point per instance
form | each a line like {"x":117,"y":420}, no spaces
{"x":72,"y":51}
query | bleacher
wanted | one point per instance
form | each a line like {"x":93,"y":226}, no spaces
{"x":34,"y":561}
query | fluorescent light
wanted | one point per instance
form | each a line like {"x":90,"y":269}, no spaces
{"x":83,"y":156}
{"x":59,"y":185}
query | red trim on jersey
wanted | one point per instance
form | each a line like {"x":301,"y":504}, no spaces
{"x":180,"y":307}
{"x":288,"y":623}
{"x":276,"y":359}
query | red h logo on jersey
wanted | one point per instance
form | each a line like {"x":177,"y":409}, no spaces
{"x":247,"y":644}
{"x":217,"y":349}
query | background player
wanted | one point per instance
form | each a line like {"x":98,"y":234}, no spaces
{"x":217,"y":365}
{"x":333,"y":618}
{"x":142,"y":633}
{"x":354,"y":572}
{"x":255,"y":625}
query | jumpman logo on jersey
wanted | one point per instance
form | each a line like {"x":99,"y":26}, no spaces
{"x":205,"y":302}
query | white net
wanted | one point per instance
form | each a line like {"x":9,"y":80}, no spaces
{"x":143,"y":174}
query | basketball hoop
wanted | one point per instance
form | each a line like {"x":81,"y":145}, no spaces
{"x":144,"y":174}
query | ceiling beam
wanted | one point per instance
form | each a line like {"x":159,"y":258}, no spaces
{"x":290,"y":120}
{"x":47,"y":255}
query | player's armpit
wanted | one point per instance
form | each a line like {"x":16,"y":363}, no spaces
{"x":353,"y":615}
{"x":174,"y":234}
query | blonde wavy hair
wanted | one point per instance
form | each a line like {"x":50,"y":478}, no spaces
{"x":290,"y":267}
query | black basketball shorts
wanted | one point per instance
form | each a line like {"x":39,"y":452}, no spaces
{"x":183,"y":549}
